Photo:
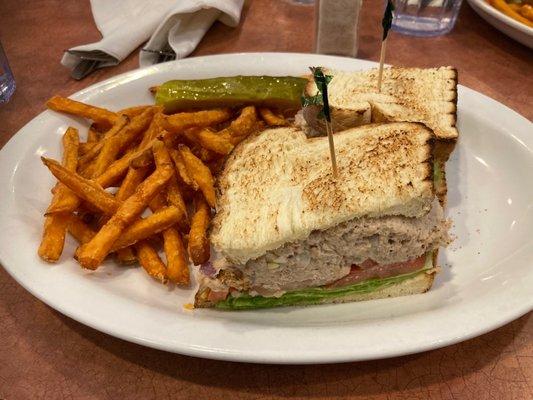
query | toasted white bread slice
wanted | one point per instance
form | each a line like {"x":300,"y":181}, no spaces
{"x":425,"y":95}
{"x":278,"y":186}
{"x":418,"y":284}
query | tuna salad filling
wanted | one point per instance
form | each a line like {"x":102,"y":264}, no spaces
{"x":351,"y":252}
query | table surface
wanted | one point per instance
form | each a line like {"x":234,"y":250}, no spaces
{"x":47,"y":355}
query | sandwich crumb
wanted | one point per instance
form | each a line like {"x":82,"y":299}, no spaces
{"x":188,"y":306}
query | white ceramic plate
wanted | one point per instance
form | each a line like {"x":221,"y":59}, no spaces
{"x":512,"y":28}
{"x":486,"y":278}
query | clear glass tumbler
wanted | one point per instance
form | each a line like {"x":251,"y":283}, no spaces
{"x":425,"y":17}
{"x":7,"y":81}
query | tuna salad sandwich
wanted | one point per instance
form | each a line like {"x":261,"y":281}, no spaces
{"x":288,"y":233}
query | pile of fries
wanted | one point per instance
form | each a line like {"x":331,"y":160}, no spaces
{"x":519,"y":10}
{"x":142,"y":180}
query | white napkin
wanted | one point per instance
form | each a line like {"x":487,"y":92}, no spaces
{"x":126,"y":24}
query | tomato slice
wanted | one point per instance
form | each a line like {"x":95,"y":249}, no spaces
{"x":370,"y":269}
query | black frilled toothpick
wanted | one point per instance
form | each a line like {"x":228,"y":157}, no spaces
{"x":386,"y":22}
{"x":321,"y":99}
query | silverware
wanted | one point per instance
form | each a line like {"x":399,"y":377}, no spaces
{"x":164,"y":55}
{"x":89,"y":61}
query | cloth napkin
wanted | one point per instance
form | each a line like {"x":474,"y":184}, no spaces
{"x":126,"y":24}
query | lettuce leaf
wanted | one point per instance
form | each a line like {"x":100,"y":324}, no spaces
{"x":316,"y":295}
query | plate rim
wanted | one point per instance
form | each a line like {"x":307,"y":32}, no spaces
{"x":239,"y":356}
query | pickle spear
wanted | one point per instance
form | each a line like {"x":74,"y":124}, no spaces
{"x":270,"y":91}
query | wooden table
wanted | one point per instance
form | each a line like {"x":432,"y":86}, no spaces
{"x":45,"y":355}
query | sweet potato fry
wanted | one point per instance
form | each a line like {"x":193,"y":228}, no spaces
{"x":143,"y":160}
{"x":163,"y":159}
{"x":176,"y":123}
{"x":204,"y":154}
{"x":93,"y":135}
{"x":177,"y":261}
{"x":79,"y":229}
{"x":86,"y":147}
{"x":183,"y":174}
{"x":99,"y":115}
{"x":175,"y":198}
{"x":133,"y":178}
{"x":211,"y":140}
{"x":146,"y":227}
{"x":199,"y":249}
{"x":91,"y":154}
{"x":131,"y":112}
{"x":270,"y":118}
{"x":119,"y":167}
{"x":117,"y":143}
{"x":84,"y":188}
{"x":55,"y":225}
{"x":200,"y":173}
{"x":91,"y":254}
{"x":241,"y":127}
{"x":150,"y":261}
{"x":155,"y":128}
{"x":53,"y":240}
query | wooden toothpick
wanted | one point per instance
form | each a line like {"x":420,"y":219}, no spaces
{"x":381,"y":62}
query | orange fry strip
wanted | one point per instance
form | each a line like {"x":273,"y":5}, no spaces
{"x":133,"y":178}
{"x":79,"y":229}
{"x":131,"y":112}
{"x":115,"y":144}
{"x":175,"y":198}
{"x":212,"y":141}
{"x":93,"y":135}
{"x":155,"y":128}
{"x":91,"y":254}
{"x":200,"y":173}
{"x":55,"y":226}
{"x":86,"y":189}
{"x":91,"y":154}
{"x":270,"y":118}
{"x":176,"y":123}
{"x":150,"y":261}
{"x":146,"y":227}
{"x":119,"y":167}
{"x":181,"y":169}
{"x":69,"y":106}
{"x":163,"y":159}
{"x":86,"y":147}
{"x":177,"y":261}
{"x":199,"y":250}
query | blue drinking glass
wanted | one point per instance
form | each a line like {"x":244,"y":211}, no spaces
{"x":7,"y":81}
{"x":425,"y":17}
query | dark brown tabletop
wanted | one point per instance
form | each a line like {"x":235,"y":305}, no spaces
{"x":45,"y":355}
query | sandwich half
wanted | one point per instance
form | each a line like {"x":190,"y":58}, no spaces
{"x":288,"y":233}
{"x":424,"y":95}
